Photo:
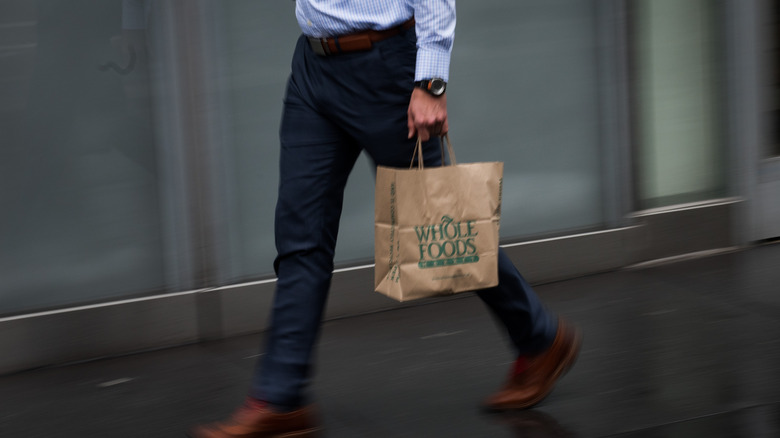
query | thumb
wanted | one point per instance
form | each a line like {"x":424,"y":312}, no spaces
{"x":410,"y":125}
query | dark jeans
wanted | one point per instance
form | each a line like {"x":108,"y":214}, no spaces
{"x":336,"y":107}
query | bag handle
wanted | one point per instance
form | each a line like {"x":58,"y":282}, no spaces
{"x":442,"y":139}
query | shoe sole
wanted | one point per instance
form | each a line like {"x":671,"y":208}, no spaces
{"x":563,"y":367}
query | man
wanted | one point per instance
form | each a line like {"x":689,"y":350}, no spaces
{"x":368,"y":76}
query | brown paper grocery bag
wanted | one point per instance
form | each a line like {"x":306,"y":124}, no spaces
{"x":436,"y":229}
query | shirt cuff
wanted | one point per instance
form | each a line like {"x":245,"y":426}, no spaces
{"x":432,"y":64}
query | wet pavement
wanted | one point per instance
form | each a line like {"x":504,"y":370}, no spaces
{"x":690,"y":349}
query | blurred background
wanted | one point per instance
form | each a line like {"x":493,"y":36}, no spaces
{"x":138,"y":154}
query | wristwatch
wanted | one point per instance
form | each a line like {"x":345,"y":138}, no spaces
{"x":436,"y":86}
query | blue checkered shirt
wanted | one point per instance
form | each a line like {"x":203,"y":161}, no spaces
{"x":435,"y":25}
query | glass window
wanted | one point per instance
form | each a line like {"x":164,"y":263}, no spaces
{"x":79,"y":192}
{"x":257,"y":41}
{"x":680,"y":148}
{"x":525,"y":91}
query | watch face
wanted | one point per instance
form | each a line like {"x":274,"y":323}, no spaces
{"x":437,"y":87}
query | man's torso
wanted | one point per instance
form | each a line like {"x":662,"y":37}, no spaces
{"x":326,"y":18}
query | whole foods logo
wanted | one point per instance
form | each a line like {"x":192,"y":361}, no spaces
{"x":446,"y":244}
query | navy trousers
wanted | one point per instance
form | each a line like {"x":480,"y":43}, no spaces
{"x":336,"y":107}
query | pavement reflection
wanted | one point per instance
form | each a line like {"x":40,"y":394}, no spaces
{"x":532,"y":424}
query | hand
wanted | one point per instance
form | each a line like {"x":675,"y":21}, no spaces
{"x":427,"y":115}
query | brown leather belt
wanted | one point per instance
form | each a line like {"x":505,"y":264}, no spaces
{"x":356,"y":42}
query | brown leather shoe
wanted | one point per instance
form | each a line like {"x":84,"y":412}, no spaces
{"x":256,"y":420}
{"x":525,"y":389}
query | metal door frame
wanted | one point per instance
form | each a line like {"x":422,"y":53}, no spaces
{"x":755,"y":178}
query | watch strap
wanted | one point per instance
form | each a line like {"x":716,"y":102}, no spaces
{"x":427,"y":85}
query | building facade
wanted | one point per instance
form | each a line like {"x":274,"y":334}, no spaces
{"x":139,"y":149}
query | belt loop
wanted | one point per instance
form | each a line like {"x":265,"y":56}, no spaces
{"x":325,"y":46}
{"x":338,"y":46}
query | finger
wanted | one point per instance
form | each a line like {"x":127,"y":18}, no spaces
{"x":410,"y":125}
{"x":423,"y":133}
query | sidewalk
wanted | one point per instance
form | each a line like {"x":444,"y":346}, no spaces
{"x":690,"y":349}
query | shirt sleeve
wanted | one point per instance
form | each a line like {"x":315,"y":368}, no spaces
{"x":435,"y":28}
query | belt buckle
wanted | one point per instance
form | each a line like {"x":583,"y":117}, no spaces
{"x":320,"y":46}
